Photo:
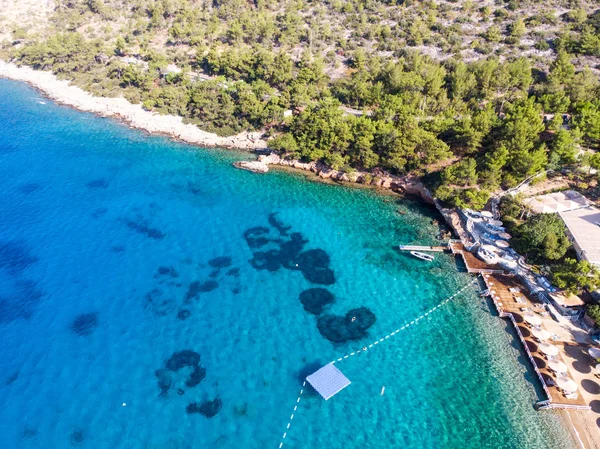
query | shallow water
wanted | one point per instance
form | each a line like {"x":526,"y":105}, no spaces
{"x":118,"y":250}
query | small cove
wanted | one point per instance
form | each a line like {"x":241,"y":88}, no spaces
{"x":119,"y":250}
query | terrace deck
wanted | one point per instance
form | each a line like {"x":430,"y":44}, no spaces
{"x":472,"y":262}
{"x":508,"y":307}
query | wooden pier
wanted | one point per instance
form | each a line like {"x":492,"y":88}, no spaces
{"x":508,"y":307}
{"x":423,"y":248}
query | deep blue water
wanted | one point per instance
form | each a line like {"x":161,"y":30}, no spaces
{"x":119,"y":250}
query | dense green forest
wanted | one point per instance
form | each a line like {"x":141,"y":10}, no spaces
{"x":473,"y":96}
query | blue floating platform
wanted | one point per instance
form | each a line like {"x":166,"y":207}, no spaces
{"x":328,"y":381}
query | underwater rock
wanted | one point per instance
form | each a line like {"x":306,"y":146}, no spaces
{"x":256,"y":237}
{"x":77,"y":437}
{"x":208,"y":286}
{"x":180,"y":391}
{"x":98,"y":184}
{"x":118,"y":249}
{"x":85,"y":324}
{"x":196,"y":287}
{"x":29,"y":432}
{"x":99,"y":212}
{"x":236,"y":290}
{"x":166,"y":271}
{"x":269,"y":260}
{"x":214,"y":273}
{"x":196,"y":376}
{"x":207,"y":408}
{"x":141,"y":226}
{"x":235,"y":272}
{"x":22,"y":303}
{"x":164,"y":380}
{"x":241,"y":409}
{"x":183,"y":358}
{"x":314,"y":300}
{"x":277,"y":224}
{"x":193,"y":291}
{"x":183,"y":314}
{"x":29,"y":188}
{"x":352,"y":326}
{"x":314,"y":265}
{"x":155,"y":302}
{"x":15,"y":257}
{"x":12,"y":378}
{"x":220,"y":262}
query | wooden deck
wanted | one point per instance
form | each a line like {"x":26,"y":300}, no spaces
{"x":508,"y":307}
{"x":472,"y":262}
{"x":435,"y":249}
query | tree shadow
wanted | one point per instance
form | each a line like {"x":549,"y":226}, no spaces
{"x":541,"y":363}
{"x":525,"y":331}
{"x":532,"y":346}
{"x":595,"y":405}
{"x":590,"y":386}
{"x":582,"y":360}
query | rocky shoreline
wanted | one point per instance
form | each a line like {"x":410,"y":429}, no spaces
{"x":63,"y":92}
{"x":407,"y":185}
{"x":134,"y":115}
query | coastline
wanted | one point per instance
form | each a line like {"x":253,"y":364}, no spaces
{"x":63,"y":92}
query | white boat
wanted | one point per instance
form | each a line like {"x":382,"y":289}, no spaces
{"x":422,"y":256}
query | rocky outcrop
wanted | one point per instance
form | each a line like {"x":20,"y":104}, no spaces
{"x":253,"y":166}
{"x":173,"y":126}
{"x":409,"y":185}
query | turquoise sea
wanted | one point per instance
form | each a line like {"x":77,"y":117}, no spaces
{"x":153,"y":296}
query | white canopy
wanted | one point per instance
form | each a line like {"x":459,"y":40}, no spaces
{"x":486,"y":214}
{"x":532,"y":318}
{"x":557,"y":366}
{"x":540,"y":334}
{"x":495,"y":222}
{"x":594,"y":352}
{"x":502,"y":244}
{"x":566,"y":384}
{"x":548,"y":349}
{"x":504,"y":235}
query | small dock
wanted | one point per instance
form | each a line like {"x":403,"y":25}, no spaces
{"x":422,"y":248}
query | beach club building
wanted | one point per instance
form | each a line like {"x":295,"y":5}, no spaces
{"x":581,"y":219}
{"x":583,"y":228}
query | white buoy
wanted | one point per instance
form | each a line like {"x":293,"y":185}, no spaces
{"x":382,"y":390}
{"x":124,"y":404}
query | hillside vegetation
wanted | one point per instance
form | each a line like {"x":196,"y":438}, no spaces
{"x":475,"y":95}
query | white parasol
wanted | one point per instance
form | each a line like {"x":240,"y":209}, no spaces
{"x":566,"y":384}
{"x":557,"y":366}
{"x":540,"y":334}
{"x":548,"y":349}
{"x":532,"y":318}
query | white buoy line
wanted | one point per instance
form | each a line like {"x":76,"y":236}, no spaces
{"x":371,"y":345}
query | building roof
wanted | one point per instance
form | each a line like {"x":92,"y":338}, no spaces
{"x":567,"y":299}
{"x":328,"y":381}
{"x":556,"y":202}
{"x":584,"y":226}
